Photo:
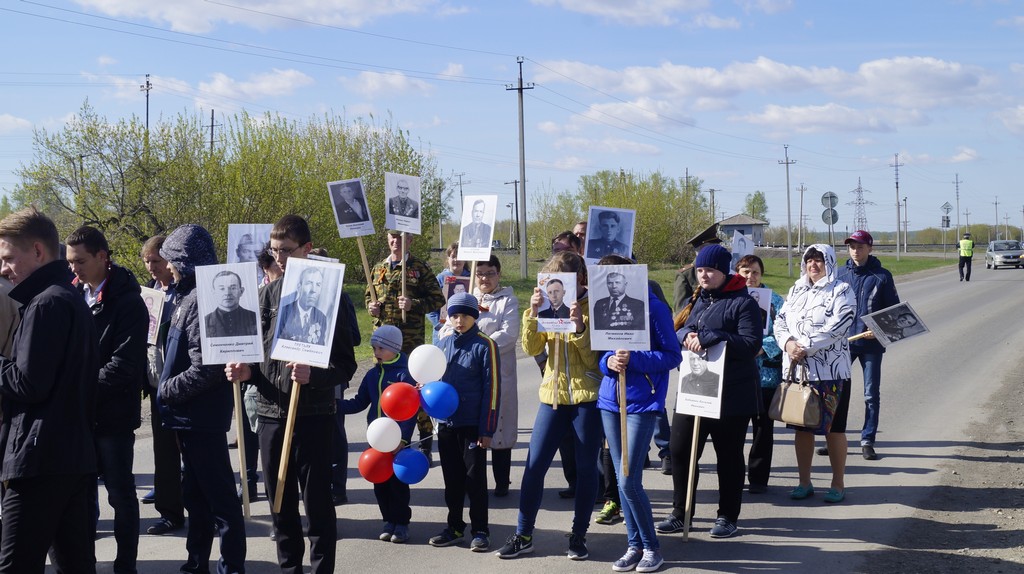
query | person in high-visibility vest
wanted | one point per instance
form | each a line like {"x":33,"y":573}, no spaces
{"x":966,"y":256}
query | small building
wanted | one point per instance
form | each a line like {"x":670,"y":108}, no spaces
{"x":749,"y":226}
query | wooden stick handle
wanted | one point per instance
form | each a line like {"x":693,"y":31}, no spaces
{"x":286,"y":448}
{"x":859,"y":336}
{"x":366,"y":270}
{"x":622,"y":423}
{"x":689,"y":483}
{"x":240,"y":423}
{"x":556,"y":370}
{"x":472,"y":276}
{"x":405,"y":272}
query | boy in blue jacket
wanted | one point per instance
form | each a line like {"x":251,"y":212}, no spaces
{"x":473,"y":369}
{"x":392,"y":366}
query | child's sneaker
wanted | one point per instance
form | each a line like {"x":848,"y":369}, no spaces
{"x":515,"y":545}
{"x":577,"y":547}
{"x":401,"y":535}
{"x":610,"y":514}
{"x":447,"y":537}
{"x":480,"y":542}
{"x":385,"y":534}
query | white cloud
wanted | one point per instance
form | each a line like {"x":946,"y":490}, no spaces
{"x":11,"y":125}
{"x":606,"y":145}
{"x":376,"y":84}
{"x":767,"y":6}
{"x":1013,"y":119}
{"x":964,"y":154}
{"x":1014,"y":22}
{"x":713,"y":22}
{"x":816,"y":119}
{"x":571,"y":163}
{"x":918,"y":82}
{"x":106,"y":61}
{"x":453,"y":70}
{"x":198,"y":16}
{"x":631,"y":12}
{"x":266,"y":85}
{"x":548,"y":127}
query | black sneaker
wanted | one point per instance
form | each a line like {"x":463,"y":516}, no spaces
{"x":516,"y":545}
{"x":577,"y":547}
{"x":868,"y":452}
{"x":670,"y":525}
{"x":163,"y":526}
{"x":567,"y":493}
{"x":447,"y":537}
{"x":480,"y":542}
{"x":149,"y":497}
{"x":666,"y":465}
{"x":822,"y":450}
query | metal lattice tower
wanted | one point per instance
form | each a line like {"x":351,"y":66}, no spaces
{"x":860,"y":217}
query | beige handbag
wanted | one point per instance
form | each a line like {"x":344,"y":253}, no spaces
{"x":796,"y":401}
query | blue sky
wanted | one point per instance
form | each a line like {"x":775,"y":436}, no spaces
{"x":716,"y":87}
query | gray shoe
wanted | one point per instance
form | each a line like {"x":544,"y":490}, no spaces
{"x":651,"y":561}
{"x":629,"y":560}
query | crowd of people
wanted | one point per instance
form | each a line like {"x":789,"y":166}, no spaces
{"x":75,"y":366}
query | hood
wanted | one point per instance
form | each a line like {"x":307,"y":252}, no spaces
{"x":187,"y":247}
{"x":830,"y":262}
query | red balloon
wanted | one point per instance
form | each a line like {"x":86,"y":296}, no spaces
{"x":376,"y":466}
{"x":400,"y":401}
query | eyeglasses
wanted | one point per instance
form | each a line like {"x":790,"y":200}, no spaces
{"x":282,"y":250}
{"x":486,"y":275}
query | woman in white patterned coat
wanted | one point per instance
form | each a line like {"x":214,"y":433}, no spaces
{"x":499,"y":319}
{"x":811,"y":329}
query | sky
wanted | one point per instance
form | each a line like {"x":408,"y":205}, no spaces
{"x":715,"y":89}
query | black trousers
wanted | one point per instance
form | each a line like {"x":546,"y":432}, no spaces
{"x":965,"y":262}
{"x":166,"y":469}
{"x":393,"y":500}
{"x":208,"y":486}
{"x":309,"y":470}
{"x":49,"y":511}
{"x":728,"y":435}
{"x":501,"y":466}
{"x":759,"y":461}
{"x":339,"y":478}
{"x":464,"y":467}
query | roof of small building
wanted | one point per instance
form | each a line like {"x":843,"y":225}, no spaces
{"x":742,"y":219}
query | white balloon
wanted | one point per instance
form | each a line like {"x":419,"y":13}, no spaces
{"x":383,"y":434}
{"x":427,"y":364}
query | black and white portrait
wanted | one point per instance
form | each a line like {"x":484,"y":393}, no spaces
{"x":763,"y":296}
{"x":351,"y":212}
{"x":700,"y":382}
{"x":618,"y":307}
{"x":229,"y":329}
{"x":246,"y":241}
{"x":308,"y":311}
{"x":154,"y":300}
{"x":741,"y":247}
{"x":609,"y":232}
{"x":478,"y":213}
{"x":559,"y":292}
{"x":402,"y":199}
{"x":895,"y":323}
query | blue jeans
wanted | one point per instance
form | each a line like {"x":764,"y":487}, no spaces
{"x":872,"y":364}
{"x":549,"y":428}
{"x":115,"y":454}
{"x":636,"y":506}
{"x":662,"y":434}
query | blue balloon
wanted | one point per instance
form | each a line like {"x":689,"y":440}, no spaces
{"x":439,"y":399}
{"x":411,"y":465}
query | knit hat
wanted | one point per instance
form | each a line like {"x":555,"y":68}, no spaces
{"x":714,"y":256}
{"x":388,"y":337}
{"x":463,"y":303}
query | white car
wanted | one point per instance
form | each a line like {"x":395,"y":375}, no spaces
{"x":1005,"y":253}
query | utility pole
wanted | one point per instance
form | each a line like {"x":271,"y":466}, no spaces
{"x":146,"y":88}
{"x":789,"y":213}
{"x":1022,"y":224}
{"x":906,"y":226}
{"x":995,"y":203}
{"x":712,"y":191}
{"x":523,"y":247}
{"x":212,"y":126}
{"x":1006,"y":226}
{"x":898,"y":222}
{"x":956,"y":184}
{"x":967,"y":214}
{"x":515,"y":203}
{"x":467,"y":182}
{"x":800,"y":232}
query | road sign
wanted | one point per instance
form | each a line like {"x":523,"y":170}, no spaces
{"x":829,"y":200}
{"x":830,"y":216}
{"x":946,"y":208}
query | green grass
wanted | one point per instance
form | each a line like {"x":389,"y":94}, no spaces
{"x":776,"y":277}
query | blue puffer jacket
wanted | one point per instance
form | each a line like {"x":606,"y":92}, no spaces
{"x":875,"y":290}
{"x":380,"y":377}
{"x":191,"y":396}
{"x":474,"y":370}
{"x":647,"y":371}
{"x":730,"y":314}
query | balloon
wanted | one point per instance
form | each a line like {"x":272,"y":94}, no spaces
{"x":439,"y":399}
{"x":411,"y":465}
{"x":427,"y":363}
{"x":376,"y":466}
{"x":384,"y":434}
{"x":400,"y":401}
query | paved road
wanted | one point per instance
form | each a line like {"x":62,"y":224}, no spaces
{"x":933,"y":387}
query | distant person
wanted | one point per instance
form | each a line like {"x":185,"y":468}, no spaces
{"x":686,"y":278}
{"x":453,"y":268}
{"x":348,"y":203}
{"x":618,"y":311}
{"x":580,"y":230}
{"x":268,"y":265}
{"x":608,"y":243}
{"x":229,"y":319}
{"x":301,"y":320}
{"x":477,"y":233}
{"x":566,"y":241}
{"x":966,"y":256}
{"x":402,"y":204}
{"x":557,"y":308}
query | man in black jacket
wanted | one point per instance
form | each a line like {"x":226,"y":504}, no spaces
{"x":313,"y":437}
{"x":48,"y":386}
{"x":122,"y":323}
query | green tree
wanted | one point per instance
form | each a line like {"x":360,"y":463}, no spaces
{"x":756,"y":206}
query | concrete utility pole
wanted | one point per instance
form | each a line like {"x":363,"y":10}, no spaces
{"x":956,"y":185}
{"x":146,"y":88}
{"x":523,"y":247}
{"x":467,"y":182}
{"x":801,"y":239}
{"x":712,"y":191}
{"x":789,"y":214}
{"x":515,"y":202}
{"x":906,"y":225}
{"x":967,"y":214}
{"x":996,"y":232}
{"x":898,"y":221}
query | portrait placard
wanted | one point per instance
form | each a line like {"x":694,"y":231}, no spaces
{"x":609,"y":232}
{"x":402,"y":202}
{"x":741,"y":247}
{"x":894,"y":324}
{"x":478,"y":213}
{"x":618,"y":307}
{"x":351,"y":211}
{"x":246,"y":241}
{"x":559,"y":292}
{"x":700,"y":382}
{"x":154,"y":300}
{"x":452,"y":284}
{"x":308,"y":312}
{"x":763,"y":296}
{"x":229,"y":328}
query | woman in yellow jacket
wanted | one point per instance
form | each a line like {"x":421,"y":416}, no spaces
{"x":568,"y":402}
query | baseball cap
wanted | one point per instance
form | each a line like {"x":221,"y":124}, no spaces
{"x":860,"y":236}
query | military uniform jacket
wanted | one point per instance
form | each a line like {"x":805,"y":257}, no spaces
{"x":421,"y":286}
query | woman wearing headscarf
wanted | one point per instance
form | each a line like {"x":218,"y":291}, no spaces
{"x":811,"y":329}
